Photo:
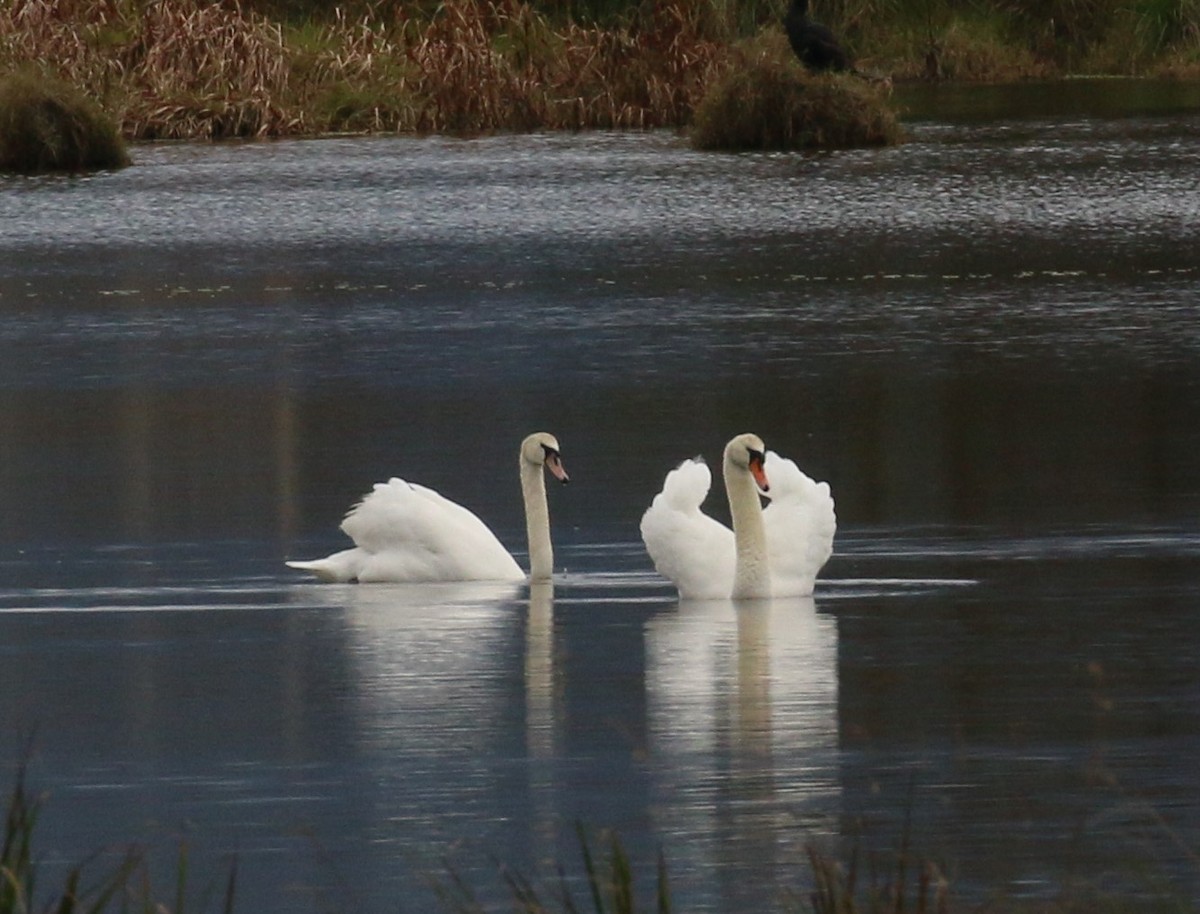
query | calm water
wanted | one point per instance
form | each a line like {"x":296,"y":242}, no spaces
{"x":987,"y":340}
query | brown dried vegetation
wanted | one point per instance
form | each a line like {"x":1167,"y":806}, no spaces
{"x":190,"y":68}
{"x":180,"y":68}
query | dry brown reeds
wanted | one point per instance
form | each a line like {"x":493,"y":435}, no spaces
{"x":498,"y":64}
{"x":168,"y":68}
{"x":201,"y":69}
{"x":352,"y":75}
{"x":207,"y":70}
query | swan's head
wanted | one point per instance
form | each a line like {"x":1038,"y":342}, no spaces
{"x":541,"y":449}
{"x":748,"y":452}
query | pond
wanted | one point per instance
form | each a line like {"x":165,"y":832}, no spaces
{"x":987,"y":341}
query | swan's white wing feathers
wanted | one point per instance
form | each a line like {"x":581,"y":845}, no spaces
{"x":689,"y":548}
{"x":407,"y":532}
{"x":801,"y":523}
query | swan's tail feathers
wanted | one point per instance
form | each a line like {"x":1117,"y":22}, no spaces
{"x":339,"y":568}
{"x":686,"y":486}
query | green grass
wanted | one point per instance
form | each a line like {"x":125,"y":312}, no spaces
{"x":46,"y":125}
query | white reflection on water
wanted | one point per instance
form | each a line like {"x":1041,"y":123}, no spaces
{"x":742,"y":707}
{"x":542,"y":700}
{"x":544,"y":715}
{"x":427,"y":659}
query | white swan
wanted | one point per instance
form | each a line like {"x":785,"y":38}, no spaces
{"x":406,"y":533}
{"x":773,"y":552}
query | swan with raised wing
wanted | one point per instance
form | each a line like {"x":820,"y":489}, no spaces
{"x":407,"y":533}
{"x":776,"y":551}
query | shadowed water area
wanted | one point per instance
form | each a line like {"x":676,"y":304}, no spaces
{"x":986,"y":340}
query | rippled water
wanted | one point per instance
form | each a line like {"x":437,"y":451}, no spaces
{"x":986,"y":340}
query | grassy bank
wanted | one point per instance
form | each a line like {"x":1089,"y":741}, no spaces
{"x":196,"y":69}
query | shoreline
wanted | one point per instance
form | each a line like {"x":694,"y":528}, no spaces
{"x":184,"y":69}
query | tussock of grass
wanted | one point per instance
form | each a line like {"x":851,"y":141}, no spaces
{"x":765,"y":100}
{"x":46,"y":125}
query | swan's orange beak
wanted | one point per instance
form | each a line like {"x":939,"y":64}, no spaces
{"x":554,"y":465}
{"x":758,"y":472}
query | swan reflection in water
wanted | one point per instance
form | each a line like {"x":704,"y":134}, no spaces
{"x":740,"y":718}
{"x":742,"y":705}
{"x":429,"y":664}
{"x":545,"y":718}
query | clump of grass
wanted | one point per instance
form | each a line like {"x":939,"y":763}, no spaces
{"x":764,"y":100}
{"x":46,"y":125}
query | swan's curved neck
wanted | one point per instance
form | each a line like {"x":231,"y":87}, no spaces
{"x":537,"y":522}
{"x":751,"y":575}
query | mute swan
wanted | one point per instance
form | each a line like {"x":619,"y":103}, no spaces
{"x":406,"y":533}
{"x":773,"y":552}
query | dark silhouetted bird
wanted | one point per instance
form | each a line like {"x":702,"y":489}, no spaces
{"x":813,"y":43}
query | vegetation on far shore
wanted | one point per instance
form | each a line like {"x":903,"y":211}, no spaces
{"x":271,"y":68}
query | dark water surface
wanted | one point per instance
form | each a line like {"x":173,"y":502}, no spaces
{"x":987,"y":340}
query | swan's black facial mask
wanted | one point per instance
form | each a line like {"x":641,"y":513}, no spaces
{"x":554,"y":464}
{"x":758,"y":471}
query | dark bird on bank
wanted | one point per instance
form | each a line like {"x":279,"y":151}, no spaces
{"x":813,"y":43}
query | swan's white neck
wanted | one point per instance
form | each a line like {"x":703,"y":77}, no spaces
{"x":751,"y":575}
{"x":537,"y":521}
